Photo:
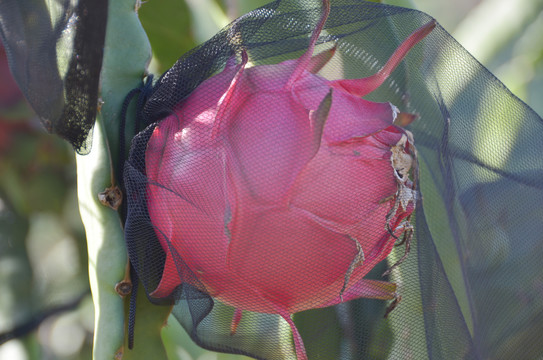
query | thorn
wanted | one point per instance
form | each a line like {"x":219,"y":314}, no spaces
{"x":305,"y":59}
{"x":319,"y":61}
{"x":318,"y":120}
{"x":364,"y":86}
{"x":235,"y":321}
{"x":392,"y":305}
{"x":404,"y":119}
{"x":224,"y":102}
{"x":298,"y":342}
{"x":407,"y":237}
{"x":357,"y":261}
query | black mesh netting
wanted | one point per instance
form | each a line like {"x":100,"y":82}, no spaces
{"x":55,"y":50}
{"x":269,"y":189}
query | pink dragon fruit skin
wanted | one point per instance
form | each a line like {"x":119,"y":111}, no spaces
{"x":277,"y":187}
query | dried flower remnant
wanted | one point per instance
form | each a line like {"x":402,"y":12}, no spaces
{"x":279,"y":189}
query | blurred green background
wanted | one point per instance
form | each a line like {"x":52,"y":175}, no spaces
{"x":43,"y":260}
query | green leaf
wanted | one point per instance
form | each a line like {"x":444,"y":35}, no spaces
{"x":484,"y":36}
{"x":150,"y":320}
{"x":126,"y":55}
{"x":403,"y":3}
{"x":127,"y":52}
{"x":407,"y":319}
{"x":16,"y":296}
{"x":236,"y":8}
{"x":330,"y":334}
{"x":168,"y":26}
{"x":208,"y":19}
{"x":107,"y":253}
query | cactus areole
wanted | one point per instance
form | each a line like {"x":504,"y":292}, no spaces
{"x":279,"y":189}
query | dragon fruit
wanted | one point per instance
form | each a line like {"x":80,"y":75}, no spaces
{"x":279,"y":189}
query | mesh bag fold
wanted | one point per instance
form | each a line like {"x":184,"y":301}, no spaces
{"x":55,"y":54}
